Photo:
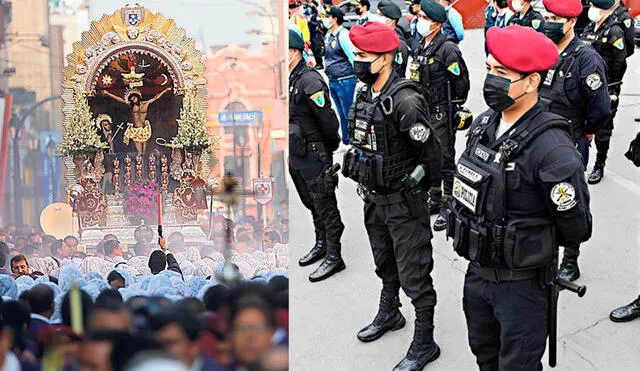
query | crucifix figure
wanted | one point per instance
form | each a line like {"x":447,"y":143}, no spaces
{"x":140,"y":130}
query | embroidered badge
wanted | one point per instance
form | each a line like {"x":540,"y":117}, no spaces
{"x":594,"y":81}
{"x":564,"y":196}
{"x":535,"y":23}
{"x":318,"y":98}
{"x":619,"y":44}
{"x":627,"y":23}
{"x":454,"y":68}
{"x":419,"y":133}
{"x":399,"y":59}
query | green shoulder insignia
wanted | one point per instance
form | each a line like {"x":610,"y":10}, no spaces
{"x":627,"y":23}
{"x":619,"y":44}
{"x":318,"y":98}
{"x":399,"y":59}
{"x":454,"y":68}
{"x":535,"y":23}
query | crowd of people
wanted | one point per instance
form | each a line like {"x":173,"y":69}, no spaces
{"x":166,"y":306}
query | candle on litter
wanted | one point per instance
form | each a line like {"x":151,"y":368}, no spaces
{"x":159,"y":209}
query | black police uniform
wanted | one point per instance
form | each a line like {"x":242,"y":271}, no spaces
{"x":622,"y":18}
{"x":441,"y":70}
{"x":402,"y":54}
{"x":313,"y":136}
{"x":576,"y":89}
{"x":608,"y":41}
{"x":391,"y":136}
{"x":516,"y":198}
{"x":531,"y":18}
{"x":317,"y":31}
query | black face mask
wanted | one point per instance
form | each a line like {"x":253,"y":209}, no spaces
{"x":363,"y":72}
{"x":554,"y":31}
{"x":496,"y":92}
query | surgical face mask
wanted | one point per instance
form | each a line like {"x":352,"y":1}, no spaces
{"x":424,"y":27}
{"x":363,"y":72}
{"x":496,"y":92}
{"x":554,"y":31}
{"x":327,"y":23}
{"x":594,"y":14}
{"x":517,"y":5}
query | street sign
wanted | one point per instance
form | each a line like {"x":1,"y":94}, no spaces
{"x":263,"y":190}
{"x":240,"y":117}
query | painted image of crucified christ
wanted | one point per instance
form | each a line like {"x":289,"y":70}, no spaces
{"x":140,"y":129}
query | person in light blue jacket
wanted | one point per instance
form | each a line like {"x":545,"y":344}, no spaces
{"x":453,"y":27}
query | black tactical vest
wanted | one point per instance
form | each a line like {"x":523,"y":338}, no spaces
{"x":599,"y":41}
{"x":484,"y":185}
{"x":371,"y":162}
{"x":430,"y":71}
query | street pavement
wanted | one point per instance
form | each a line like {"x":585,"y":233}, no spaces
{"x":326,"y":316}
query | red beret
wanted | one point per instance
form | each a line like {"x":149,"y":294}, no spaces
{"x":374,"y":37}
{"x":522,"y":49}
{"x":564,"y":8}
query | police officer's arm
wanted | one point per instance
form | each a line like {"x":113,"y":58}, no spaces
{"x":562,"y":176}
{"x":317,"y":94}
{"x":457,"y":70}
{"x":619,"y":63}
{"x":593,"y":85}
{"x":537,"y":22}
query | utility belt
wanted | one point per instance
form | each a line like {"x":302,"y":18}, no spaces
{"x":415,"y":198}
{"x":498,"y":275}
{"x":436,"y":96}
{"x":374,"y":170}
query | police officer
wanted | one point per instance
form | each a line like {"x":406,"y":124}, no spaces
{"x":313,"y":136}
{"x":519,"y":192}
{"x":576,"y":89}
{"x":389,"y":13}
{"x":607,"y":38}
{"x":441,"y":70}
{"x":526,"y":15}
{"x":416,"y":38}
{"x":622,"y":18}
{"x":393,"y":150}
{"x":317,"y":32}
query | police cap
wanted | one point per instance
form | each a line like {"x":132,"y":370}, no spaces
{"x":564,"y":8}
{"x":374,"y":37}
{"x":434,"y":11}
{"x":522,"y":49}
{"x":295,"y":40}
{"x":389,"y":9}
{"x":334,"y":11}
{"x":603,"y":4}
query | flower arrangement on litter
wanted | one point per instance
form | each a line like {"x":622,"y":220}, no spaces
{"x":193,"y":133}
{"x":80,"y":135}
{"x":140,"y":201}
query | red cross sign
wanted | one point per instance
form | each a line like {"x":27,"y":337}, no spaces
{"x":263,"y":190}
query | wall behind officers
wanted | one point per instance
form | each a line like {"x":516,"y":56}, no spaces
{"x":519,"y":193}
{"x":439,"y":67}
{"x":313,"y":136}
{"x":607,"y":38}
{"x":576,"y":89}
{"x":394,"y":150}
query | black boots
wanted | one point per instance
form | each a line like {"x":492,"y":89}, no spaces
{"x":331,"y":264}
{"x":597,"y":174}
{"x":318,"y":251}
{"x":388,"y":318}
{"x":569,"y":269}
{"x":626,"y":313}
{"x":422,"y":350}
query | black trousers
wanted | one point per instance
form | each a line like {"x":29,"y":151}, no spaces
{"x":402,"y":252}
{"x":317,"y":47}
{"x":323,"y":205}
{"x":603,"y":135}
{"x":447,"y":136}
{"x":507,"y":323}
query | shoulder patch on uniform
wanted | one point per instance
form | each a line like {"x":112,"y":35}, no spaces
{"x":454,"y":68}
{"x":619,"y":44}
{"x":594,"y":81}
{"x":627,"y":23}
{"x":535,"y":23}
{"x":399,"y":59}
{"x":419,"y":133}
{"x":318,"y":98}
{"x":563,"y":195}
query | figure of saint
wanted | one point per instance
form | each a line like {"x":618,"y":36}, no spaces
{"x":140,"y":130}
{"x":104,"y":122}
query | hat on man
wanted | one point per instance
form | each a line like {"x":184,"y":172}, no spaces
{"x":434,"y":11}
{"x":564,"y":8}
{"x":295,"y":40}
{"x":522,"y":49}
{"x":334,"y":11}
{"x":603,"y":4}
{"x":390,"y":9}
{"x":374,"y":37}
